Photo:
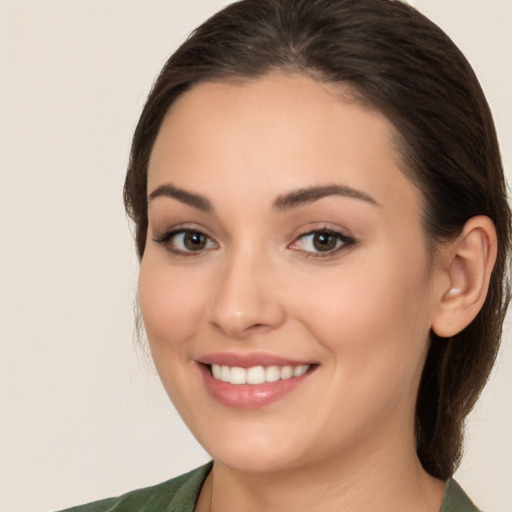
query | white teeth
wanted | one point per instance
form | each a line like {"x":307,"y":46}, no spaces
{"x":217,"y":371}
{"x":225,"y":373}
{"x":257,"y":374}
{"x":238,"y":375}
{"x":272,"y":374}
{"x":300,"y":370}
{"x":286,"y":372}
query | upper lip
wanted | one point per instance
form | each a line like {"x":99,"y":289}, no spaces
{"x":249,"y":360}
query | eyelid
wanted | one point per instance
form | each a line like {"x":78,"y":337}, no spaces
{"x":343,"y":242}
{"x":346,"y":241}
{"x":165,"y":237}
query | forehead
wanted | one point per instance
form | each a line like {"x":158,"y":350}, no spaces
{"x":288,"y":130}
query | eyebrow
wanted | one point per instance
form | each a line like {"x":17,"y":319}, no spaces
{"x":195,"y":200}
{"x":311,"y":194}
{"x":282,"y":203}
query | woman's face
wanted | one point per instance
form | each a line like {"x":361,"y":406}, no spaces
{"x":285,"y":248}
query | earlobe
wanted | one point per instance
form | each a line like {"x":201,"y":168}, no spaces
{"x":467,"y":263}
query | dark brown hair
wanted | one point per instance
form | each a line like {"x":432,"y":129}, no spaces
{"x":396,"y":61}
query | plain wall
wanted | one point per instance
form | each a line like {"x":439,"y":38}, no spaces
{"x":83,"y":416}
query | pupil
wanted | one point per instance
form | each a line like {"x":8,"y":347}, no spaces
{"x":324,"y":241}
{"x":194,"y":241}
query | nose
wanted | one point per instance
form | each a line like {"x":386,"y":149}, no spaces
{"x":246,"y":298}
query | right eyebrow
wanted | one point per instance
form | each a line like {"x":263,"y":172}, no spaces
{"x":195,"y":200}
{"x":310,"y":194}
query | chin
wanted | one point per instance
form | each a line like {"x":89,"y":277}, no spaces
{"x":255,"y":453}
{"x":255,"y":462}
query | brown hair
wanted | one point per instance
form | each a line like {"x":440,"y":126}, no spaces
{"x":398,"y":62}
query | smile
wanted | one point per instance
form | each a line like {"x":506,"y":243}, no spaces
{"x":250,"y":381}
{"x":256,"y":375}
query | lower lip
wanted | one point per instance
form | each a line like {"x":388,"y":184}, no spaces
{"x":249,"y":396}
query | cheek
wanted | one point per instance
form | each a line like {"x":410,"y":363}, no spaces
{"x":374,"y":320}
{"x":169,"y":303}
{"x":377,"y":336}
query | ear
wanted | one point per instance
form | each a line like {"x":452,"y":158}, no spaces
{"x":467,"y":264}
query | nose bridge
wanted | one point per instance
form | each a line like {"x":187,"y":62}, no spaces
{"x":245,"y":298}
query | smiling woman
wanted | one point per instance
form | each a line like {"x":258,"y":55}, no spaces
{"x":278,"y":227}
{"x":323,"y":233}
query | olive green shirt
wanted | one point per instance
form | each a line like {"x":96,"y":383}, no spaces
{"x":180,"y":495}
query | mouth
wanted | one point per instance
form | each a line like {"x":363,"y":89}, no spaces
{"x":256,"y":375}
{"x":252,"y":381}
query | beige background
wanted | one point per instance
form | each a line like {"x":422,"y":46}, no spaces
{"x":82,"y":417}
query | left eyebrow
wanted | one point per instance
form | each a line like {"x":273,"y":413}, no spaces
{"x":311,"y":194}
{"x":195,"y":200}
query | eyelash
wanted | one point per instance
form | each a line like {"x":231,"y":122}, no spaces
{"x":166,"y":239}
{"x":342,"y":242}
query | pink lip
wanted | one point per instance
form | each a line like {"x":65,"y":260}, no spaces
{"x":248,"y":360}
{"x":248,"y":396}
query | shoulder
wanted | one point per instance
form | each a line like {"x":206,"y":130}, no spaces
{"x":456,"y":500}
{"x":179,"y":493}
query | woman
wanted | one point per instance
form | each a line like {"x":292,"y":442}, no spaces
{"x":323,"y":231}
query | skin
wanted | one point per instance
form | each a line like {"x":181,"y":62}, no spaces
{"x":344,"y":438}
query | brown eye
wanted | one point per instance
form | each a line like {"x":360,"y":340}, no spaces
{"x":194,"y":241}
{"x":186,"y":241}
{"x":324,"y":241}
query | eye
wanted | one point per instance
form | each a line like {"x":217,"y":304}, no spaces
{"x":185,"y":241}
{"x":322,"y":242}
